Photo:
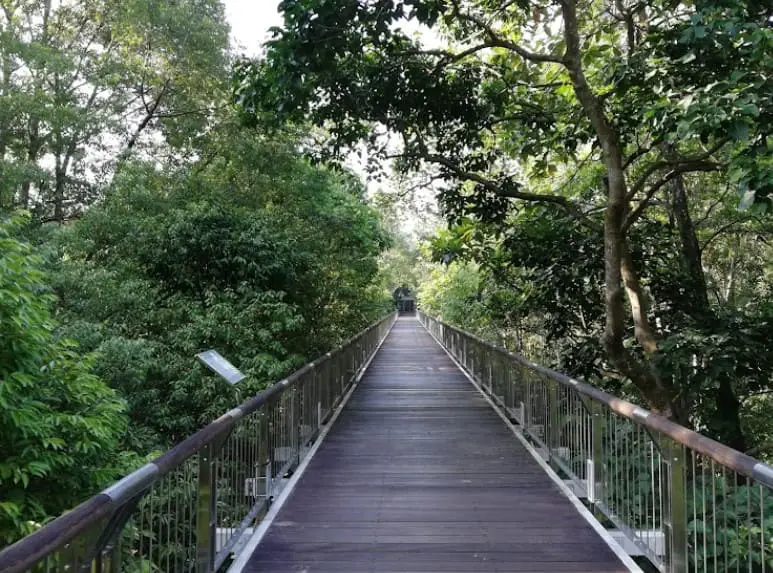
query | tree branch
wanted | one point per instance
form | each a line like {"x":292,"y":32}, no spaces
{"x":151,"y":112}
{"x":640,"y":152}
{"x":674,"y":172}
{"x":713,"y":206}
{"x":722,"y":229}
{"x":496,"y":40}
{"x":498,"y":189}
{"x":676,"y":162}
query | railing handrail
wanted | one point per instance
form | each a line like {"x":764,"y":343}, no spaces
{"x":30,"y":549}
{"x":725,"y":455}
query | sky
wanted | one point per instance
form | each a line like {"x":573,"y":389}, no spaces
{"x":250,"y":21}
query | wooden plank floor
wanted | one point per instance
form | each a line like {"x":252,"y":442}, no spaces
{"x":420,"y":474}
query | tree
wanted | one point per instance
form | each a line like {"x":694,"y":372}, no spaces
{"x":60,"y":425}
{"x":82,"y":81}
{"x":525,"y":88}
{"x":251,"y":251}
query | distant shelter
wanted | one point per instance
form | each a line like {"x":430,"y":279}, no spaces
{"x":405,"y":301}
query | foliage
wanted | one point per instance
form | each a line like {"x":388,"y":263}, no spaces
{"x":617,"y":114}
{"x":256,"y":254}
{"x":60,"y":424}
{"x":81,"y":83}
{"x":453,"y":295}
{"x":184,"y":231}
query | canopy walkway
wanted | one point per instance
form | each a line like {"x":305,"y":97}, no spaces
{"x":419,"y":447}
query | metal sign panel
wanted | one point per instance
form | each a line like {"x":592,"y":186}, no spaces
{"x":221,"y":366}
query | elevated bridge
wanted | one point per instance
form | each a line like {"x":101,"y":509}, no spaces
{"x":419,"y":447}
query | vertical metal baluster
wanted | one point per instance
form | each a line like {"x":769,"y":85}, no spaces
{"x":179,"y":521}
{"x":677,"y":498}
{"x":714,"y":513}
{"x":653,"y":491}
{"x":639,"y":465}
{"x":151,"y":526}
{"x":694,"y":515}
{"x":749,"y":523}
{"x":723,"y":481}
{"x":598,"y":452}
{"x":625,"y":460}
{"x":735,"y":511}
{"x":762,"y":529}
{"x":552,"y":428}
{"x":614,"y":485}
{"x":169,"y":523}
{"x":235,"y":463}
{"x":705,"y":521}
{"x":206,"y":509}
{"x":661,"y":501}
{"x":141,"y":522}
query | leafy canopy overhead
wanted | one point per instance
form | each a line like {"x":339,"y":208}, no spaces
{"x":525,"y":96}
{"x":506,"y":89}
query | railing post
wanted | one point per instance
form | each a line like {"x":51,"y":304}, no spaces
{"x":268,"y":457}
{"x":595,"y":473}
{"x":205,"y":515}
{"x":675,"y":492}
{"x":509,"y":398}
{"x":490,"y":369}
{"x":107,"y":551}
{"x":552,"y":426}
{"x":526,"y":402}
{"x":297,"y":422}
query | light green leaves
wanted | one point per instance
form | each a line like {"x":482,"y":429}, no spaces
{"x":59,"y":424}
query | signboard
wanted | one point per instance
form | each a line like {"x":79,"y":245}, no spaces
{"x":221,"y":366}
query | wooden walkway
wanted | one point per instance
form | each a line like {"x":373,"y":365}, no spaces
{"x":420,"y":474}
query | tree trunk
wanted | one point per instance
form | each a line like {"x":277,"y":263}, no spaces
{"x":730,"y":282}
{"x":33,"y":152}
{"x":5,"y":92}
{"x":59,"y":195}
{"x":725,"y":423}
{"x":620,"y":277}
{"x":692,"y":256}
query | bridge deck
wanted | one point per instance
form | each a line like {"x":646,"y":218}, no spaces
{"x":420,"y":474}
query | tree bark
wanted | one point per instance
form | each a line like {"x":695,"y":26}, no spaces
{"x":692,"y":256}
{"x":620,"y":277}
{"x":6,"y":90}
{"x":151,"y":113}
{"x":33,"y":151}
{"x":725,"y":424}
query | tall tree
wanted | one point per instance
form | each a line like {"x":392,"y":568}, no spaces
{"x":250,"y":250}
{"x":82,"y":81}
{"x":60,"y":425}
{"x":525,"y":87}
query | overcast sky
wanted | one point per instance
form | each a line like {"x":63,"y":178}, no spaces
{"x":250,"y":21}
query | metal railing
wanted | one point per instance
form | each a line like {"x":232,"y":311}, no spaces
{"x":190,"y":509}
{"x":686,"y":502}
